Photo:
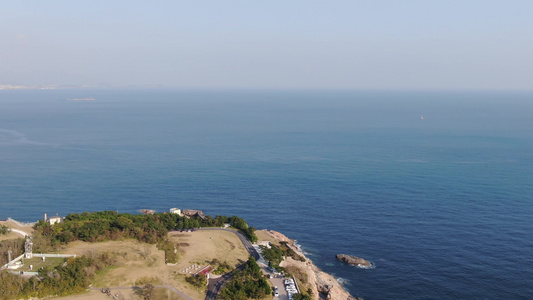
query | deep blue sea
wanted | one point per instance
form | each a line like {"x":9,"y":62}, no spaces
{"x":442,"y":206}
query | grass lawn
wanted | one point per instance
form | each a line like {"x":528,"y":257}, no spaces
{"x":37,"y":263}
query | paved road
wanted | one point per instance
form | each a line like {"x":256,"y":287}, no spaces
{"x":216,"y":284}
{"x":24,"y":234}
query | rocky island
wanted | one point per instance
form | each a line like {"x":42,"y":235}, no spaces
{"x":354,"y":260}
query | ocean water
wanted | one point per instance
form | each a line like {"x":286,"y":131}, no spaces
{"x":442,"y":206}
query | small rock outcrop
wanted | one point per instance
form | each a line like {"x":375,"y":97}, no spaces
{"x":330,"y":289}
{"x":353,"y":260}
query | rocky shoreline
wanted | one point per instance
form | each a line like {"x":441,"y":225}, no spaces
{"x":322,"y":284}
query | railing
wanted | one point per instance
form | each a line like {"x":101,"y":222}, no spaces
{"x":12,"y":262}
{"x":36,"y":255}
{"x":203,"y":269}
{"x":53,"y":255}
{"x":29,"y":273}
{"x":296,"y":284}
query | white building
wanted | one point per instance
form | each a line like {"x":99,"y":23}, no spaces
{"x":54,"y":220}
{"x":175,"y":211}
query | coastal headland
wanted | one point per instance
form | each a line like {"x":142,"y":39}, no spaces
{"x":128,"y":265}
{"x":323,"y":285}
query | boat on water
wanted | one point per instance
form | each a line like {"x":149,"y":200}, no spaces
{"x":81,"y":99}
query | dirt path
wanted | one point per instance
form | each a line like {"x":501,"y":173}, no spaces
{"x":18,"y":227}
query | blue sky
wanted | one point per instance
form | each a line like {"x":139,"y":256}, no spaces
{"x":269,"y":44}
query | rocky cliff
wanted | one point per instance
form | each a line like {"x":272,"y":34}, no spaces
{"x":322,"y":285}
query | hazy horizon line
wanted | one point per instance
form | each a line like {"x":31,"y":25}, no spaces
{"x":15,"y":87}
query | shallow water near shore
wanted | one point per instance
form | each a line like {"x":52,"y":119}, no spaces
{"x":442,"y":206}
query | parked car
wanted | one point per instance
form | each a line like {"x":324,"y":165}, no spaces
{"x":288,"y":281}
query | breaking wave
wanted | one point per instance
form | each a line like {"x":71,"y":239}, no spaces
{"x":372,"y":266}
{"x":343,"y":281}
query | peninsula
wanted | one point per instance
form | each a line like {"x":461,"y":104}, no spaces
{"x":178,"y":255}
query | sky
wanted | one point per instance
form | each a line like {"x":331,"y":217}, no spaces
{"x":298,"y":44}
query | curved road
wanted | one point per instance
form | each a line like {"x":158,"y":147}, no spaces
{"x":24,"y":234}
{"x":216,"y":284}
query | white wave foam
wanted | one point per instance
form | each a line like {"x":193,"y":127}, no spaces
{"x":343,"y":281}
{"x":299,"y":248}
{"x":12,"y":137}
{"x":372,"y":266}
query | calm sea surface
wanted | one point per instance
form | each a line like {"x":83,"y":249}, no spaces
{"x":443,"y":206}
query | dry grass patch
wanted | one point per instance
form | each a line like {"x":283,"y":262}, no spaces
{"x":206,"y":245}
{"x":27,"y":229}
{"x":301,"y":275}
{"x":264,"y":235}
{"x":10,"y":236}
{"x":13,"y":235}
{"x":135,"y":261}
{"x":124,"y":294}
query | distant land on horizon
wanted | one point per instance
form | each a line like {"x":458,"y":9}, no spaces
{"x":68,"y":86}
{"x":161,"y":86}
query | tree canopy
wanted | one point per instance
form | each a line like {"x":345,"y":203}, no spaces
{"x":248,"y":283}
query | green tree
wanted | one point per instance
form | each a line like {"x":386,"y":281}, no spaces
{"x":248,"y":283}
{"x":181,"y":225}
{"x":195,"y":223}
{"x":220,"y":220}
{"x":4,"y":229}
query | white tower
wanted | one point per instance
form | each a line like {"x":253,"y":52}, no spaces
{"x":28,"y":248}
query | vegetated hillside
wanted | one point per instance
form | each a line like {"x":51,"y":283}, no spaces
{"x":76,"y":274}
